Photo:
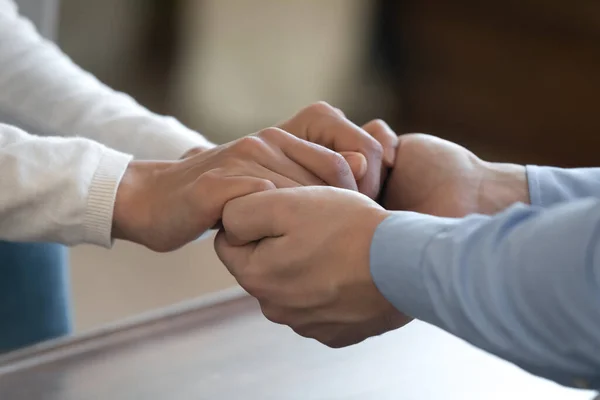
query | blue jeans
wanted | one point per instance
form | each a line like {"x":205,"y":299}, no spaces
{"x":34,"y":294}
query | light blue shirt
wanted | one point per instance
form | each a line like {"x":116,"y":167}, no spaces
{"x":523,"y":284}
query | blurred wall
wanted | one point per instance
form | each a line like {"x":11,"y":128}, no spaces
{"x":249,"y":64}
{"x":515,"y":80}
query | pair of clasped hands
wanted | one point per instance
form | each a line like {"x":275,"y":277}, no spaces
{"x":296,"y":210}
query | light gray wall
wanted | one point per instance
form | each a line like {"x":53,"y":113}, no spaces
{"x":43,"y":13}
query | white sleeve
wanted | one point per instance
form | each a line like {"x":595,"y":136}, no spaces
{"x":48,"y":94}
{"x":57,"y":189}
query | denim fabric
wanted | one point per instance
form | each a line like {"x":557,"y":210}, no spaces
{"x":34,"y":294}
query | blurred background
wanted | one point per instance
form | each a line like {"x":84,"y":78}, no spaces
{"x":515,"y":80}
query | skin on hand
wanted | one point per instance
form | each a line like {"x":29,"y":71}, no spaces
{"x":327,"y":126}
{"x":164,"y":205}
{"x":438,"y":177}
{"x":304,"y":254}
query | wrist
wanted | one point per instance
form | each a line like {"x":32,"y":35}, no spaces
{"x":132,"y":199}
{"x":502,"y":185}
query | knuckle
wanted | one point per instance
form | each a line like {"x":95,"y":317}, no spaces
{"x":159,"y":248}
{"x":322,"y":107}
{"x":330,"y":337}
{"x":332,"y":343}
{"x":272,"y":134}
{"x":377,"y":127}
{"x":249,"y":145}
{"x":381,"y":131}
{"x":304,"y":331}
{"x":262,"y":185}
{"x":374,"y":147}
{"x":209,"y":178}
{"x":340,"y":112}
{"x":379,"y":123}
{"x":275,"y":315}
{"x":322,"y":335}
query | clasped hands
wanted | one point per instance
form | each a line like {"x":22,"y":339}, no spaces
{"x":303,"y":250}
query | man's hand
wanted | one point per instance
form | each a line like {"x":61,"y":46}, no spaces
{"x":164,"y":205}
{"x":325,"y":125}
{"x":304,"y":254}
{"x":437,"y":177}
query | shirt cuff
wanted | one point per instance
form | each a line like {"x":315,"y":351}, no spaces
{"x":397,"y":250}
{"x":533,"y":182}
{"x":101,"y":199}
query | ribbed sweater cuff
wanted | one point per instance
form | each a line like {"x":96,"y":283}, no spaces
{"x":102,"y":195}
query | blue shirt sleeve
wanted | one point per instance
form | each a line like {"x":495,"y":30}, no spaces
{"x":549,"y":186}
{"x":523,"y":284}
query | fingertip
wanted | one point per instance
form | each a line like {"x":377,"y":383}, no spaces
{"x":340,"y":112}
{"x":263,"y":185}
{"x":388,"y":139}
{"x":389,"y":152}
{"x":357,"y":163}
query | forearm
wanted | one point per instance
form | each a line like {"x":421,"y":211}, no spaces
{"x":502,"y":185}
{"x":50,"y":95}
{"x":57,"y":190}
{"x":523,"y":284}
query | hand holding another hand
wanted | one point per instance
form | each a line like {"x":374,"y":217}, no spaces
{"x":164,"y":205}
{"x":304,"y":254}
{"x":327,"y":126}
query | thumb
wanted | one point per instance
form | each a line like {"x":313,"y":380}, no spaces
{"x":357,"y":163}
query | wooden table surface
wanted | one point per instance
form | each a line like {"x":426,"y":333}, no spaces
{"x":222,"y":347}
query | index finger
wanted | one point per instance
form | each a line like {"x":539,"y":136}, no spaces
{"x":327,"y":165}
{"x":323,"y":124}
{"x":253,"y":217}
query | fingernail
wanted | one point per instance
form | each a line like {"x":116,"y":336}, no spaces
{"x":357,"y":163}
{"x":389,"y":154}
